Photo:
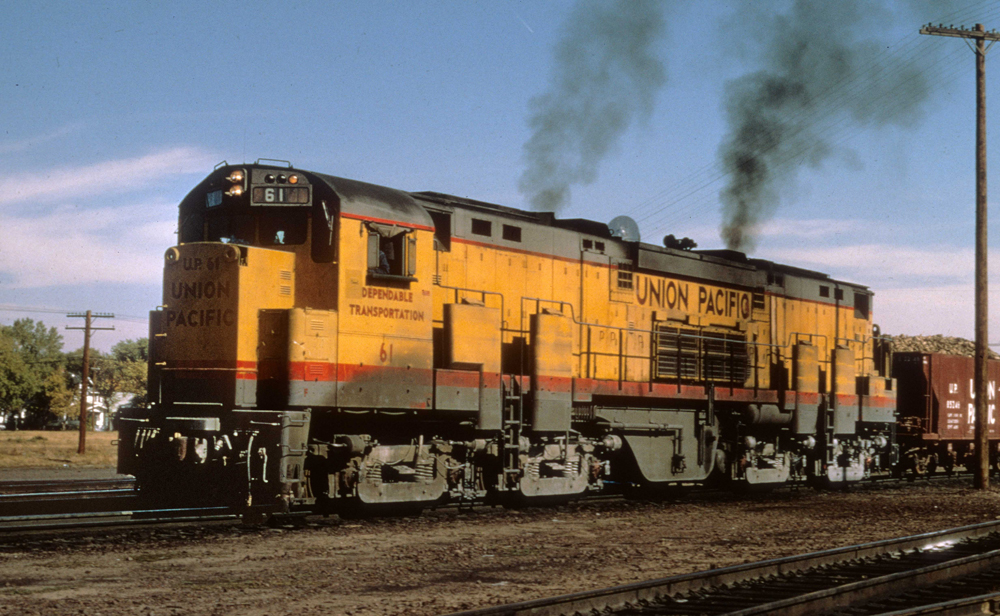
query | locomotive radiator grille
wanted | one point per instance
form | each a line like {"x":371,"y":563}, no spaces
{"x":693,"y":355}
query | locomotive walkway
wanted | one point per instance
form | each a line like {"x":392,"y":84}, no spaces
{"x":947,"y":572}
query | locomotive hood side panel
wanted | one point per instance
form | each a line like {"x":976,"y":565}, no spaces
{"x":200,"y":323}
{"x":213,"y":298}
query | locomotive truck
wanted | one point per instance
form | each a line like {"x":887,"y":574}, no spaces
{"x":329,"y":343}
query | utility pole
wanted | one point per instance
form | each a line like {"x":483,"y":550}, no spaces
{"x":982,"y":472}
{"x":87,"y":328}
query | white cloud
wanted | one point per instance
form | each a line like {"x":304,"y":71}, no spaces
{"x":927,"y":310}
{"x":108,"y":177}
{"x":21,"y":145}
{"x":74,"y":246}
{"x":881,"y":261}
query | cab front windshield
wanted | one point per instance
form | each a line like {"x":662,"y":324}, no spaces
{"x":264,"y":226}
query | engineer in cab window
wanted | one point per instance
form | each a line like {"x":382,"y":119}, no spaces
{"x":386,"y":257}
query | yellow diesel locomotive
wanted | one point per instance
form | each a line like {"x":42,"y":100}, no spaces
{"x":329,"y":343}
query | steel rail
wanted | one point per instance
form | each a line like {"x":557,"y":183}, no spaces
{"x":54,"y":486}
{"x":875,"y":588}
{"x":69,"y":495}
{"x":651,"y":592}
{"x":980,"y":604}
{"x":58,"y":521}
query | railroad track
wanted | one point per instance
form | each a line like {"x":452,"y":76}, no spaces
{"x":64,"y":503}
{"x":81,"y":503}
{"x":20,"y":498}
{"x":63,"y":498}
{"x":947,"y":572}
{"x":59,"y":521}
{"x":64,"y":489}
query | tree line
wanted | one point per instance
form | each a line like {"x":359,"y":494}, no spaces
{"x":40,"y":384}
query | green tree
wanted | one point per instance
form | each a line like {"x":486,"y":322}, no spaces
{"x":31,"y":353}
{"x":60,"y":395}
{"x":13,"y":378}
{"x":120,"y":373}
{"x":132,"y":357}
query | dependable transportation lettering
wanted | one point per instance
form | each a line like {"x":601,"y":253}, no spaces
{"x":389,"y":294}
{"x":386,"y":313}
{"x":660,"y":293}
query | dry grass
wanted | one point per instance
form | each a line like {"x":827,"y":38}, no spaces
{"x":29,"y":449}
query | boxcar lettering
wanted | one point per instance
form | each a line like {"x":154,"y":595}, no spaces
{"x":972,"y":414}
{"x":991,"y":390}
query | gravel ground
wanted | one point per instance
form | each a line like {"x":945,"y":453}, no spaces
{"x":447,"y":561}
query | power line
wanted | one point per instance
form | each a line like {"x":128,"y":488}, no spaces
{"x":689,"y":194}
{"x":981,"y":376}
{"x":35,"y":309}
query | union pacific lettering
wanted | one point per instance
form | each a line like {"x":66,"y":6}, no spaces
{"x":201,"y":318}
{"x":199,"y":290}
{"x":665,"y":293}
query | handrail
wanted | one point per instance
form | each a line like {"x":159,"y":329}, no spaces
{"x":862,"y":342}
{"x":623,"y":355}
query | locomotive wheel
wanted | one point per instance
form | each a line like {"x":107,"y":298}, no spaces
{"x":916,"y":464}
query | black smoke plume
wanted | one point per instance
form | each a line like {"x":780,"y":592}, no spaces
{"x":823,"y":62}
{"x":606,"y":75}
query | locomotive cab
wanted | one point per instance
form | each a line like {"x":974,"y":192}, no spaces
{"x":256,"y":331}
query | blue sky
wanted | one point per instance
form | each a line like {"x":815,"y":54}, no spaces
{"x":114,"y":110}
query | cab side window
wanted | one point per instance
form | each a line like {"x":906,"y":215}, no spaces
{"x":392,"y":252}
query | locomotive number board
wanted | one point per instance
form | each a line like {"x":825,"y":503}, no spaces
{"x":279,"y":195}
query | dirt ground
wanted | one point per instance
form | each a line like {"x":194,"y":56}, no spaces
{"x":446,"y":561}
